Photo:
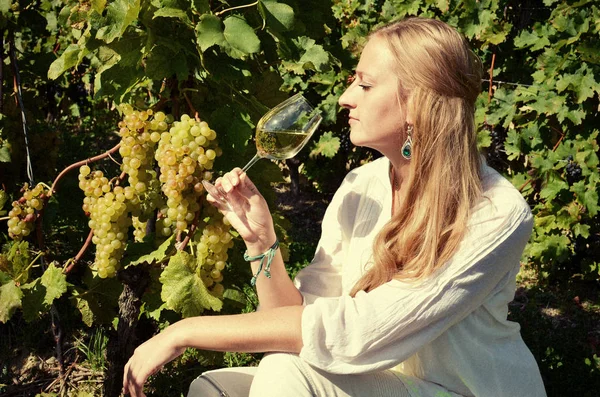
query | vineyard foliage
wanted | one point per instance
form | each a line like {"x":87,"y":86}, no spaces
{"x":227,"y":62}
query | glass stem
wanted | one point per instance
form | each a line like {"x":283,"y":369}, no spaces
{"x":251,"y":162}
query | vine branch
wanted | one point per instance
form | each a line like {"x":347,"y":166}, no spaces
{"x":75,"y":260}
{"x":235,"y":8}
{"x":80,"y":163}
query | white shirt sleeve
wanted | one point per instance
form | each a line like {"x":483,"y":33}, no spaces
{"x":382,"y":328}
{"x":322,"y":278}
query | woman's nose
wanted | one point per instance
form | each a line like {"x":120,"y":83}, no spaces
{"x":345,"y":100}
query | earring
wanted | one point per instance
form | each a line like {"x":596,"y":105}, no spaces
{"x":407,"y":147}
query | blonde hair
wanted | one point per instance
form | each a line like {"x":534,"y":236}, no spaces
{"x":440,"y":79}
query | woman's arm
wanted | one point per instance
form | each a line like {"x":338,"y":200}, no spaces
{"x":277,"y":329}
{"x":249,"y":214}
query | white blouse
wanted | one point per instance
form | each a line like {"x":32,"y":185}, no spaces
{"x":450,"y":333}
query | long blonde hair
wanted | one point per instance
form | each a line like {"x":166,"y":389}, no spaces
{"x":440,"y":79}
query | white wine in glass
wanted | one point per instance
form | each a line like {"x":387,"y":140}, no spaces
{"x":280,"y":134}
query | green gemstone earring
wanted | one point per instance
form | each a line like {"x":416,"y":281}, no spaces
{"x":407,"y":147}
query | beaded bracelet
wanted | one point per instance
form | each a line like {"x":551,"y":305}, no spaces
{"x":269,"y":254}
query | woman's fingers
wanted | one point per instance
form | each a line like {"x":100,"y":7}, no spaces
{"x":133,"y":380}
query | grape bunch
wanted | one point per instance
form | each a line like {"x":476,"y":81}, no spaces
{"x":573,"y":171}
{"x":345,"y":144}
{"x":185,"y":155}
{"x":22,"y":216}
{"x":109,"y":220}
{"x":211,"y":250}
{"x":139,"y":138}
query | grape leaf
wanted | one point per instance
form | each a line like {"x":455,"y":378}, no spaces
{"x":5,"y":156}
{"x":553,"y":188}
{"x":98,"y":303}
{"x":159,"y":64}
{"x":183,"y":291}
{"x":146,"y":254}
{"x":18,"y":256}
{"x":10,"y":298}
{"x":5,"y":6}
{"x":33,"y":305}
{"x":201,"y":6}
{"x":328,"y":145}
{"x":240,"y":36}
{"x":314,"y":57}
{"x":579,"y":229}
{"x":278,"y":16}
{"x":55,"y":282}
{"x":3,"y":198}
{"x":209,"y":32}
{"x":99,"y":6}
{"x":119,"y":15}
{"x":69,"y":58}
{"x":172,"y":13}
{"x":586,"y":88}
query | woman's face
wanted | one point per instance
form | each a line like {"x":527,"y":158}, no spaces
{"x":376,"y":118}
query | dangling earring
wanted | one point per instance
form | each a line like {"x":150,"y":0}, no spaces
{"x":407,"y":147}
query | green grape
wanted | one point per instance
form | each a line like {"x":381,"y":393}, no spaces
{"x":24,"y":212}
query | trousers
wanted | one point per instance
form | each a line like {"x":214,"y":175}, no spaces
{"x":284,"y":374}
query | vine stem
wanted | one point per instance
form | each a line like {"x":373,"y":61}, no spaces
{"x":5,"y":218}
{"x":235,"y":8}
{"x":29,"y":266}
{"x":80,"y":163}
{"x":85,"y":246}
{"x":191,"y":232}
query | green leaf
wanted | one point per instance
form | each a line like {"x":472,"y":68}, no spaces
{"x":513,"y":144}
{"x":235,"y":296}
{"x":530,"y":39}
{"x":98,"y":304}
{"x":55,"y":282}
{"x":10,"y":298}
{"x":119,"y":15}
{"x":172,"y":13}
{"x":209,"y":32}
{"x":69,"y":58}
{"x":315,"y":57}
{"x":183,"y":290}
{"x":5,"y":156}
{"x":3,"y":198}
{"x":18,"y":256}
{"x":201,"y":6}
{"x":553,"y":188}
{"x":587,"y":87}
{"x":327,"y":146}
{"x":99,"y":6}
{"x":590,"y":200}
{"x":33,"y":305}
{"x":160,"y":65}
{"x":5,"y":6}
{"x":146,"y":254}
{"x":240,"y":36}
{"x":278,"y":16}
{"x":579,"y":229}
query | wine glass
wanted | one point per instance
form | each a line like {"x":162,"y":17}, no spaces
{"x":280,"y":134}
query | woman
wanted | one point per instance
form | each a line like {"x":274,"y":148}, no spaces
{"x":407,"y":294}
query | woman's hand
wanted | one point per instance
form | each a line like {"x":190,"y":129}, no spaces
{"x":247,"y":212}
{"x":148,"y":359}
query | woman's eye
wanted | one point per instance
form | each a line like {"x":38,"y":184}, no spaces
{"x":365,"y":87}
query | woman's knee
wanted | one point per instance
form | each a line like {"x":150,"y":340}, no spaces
{"x":282,"y":374}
